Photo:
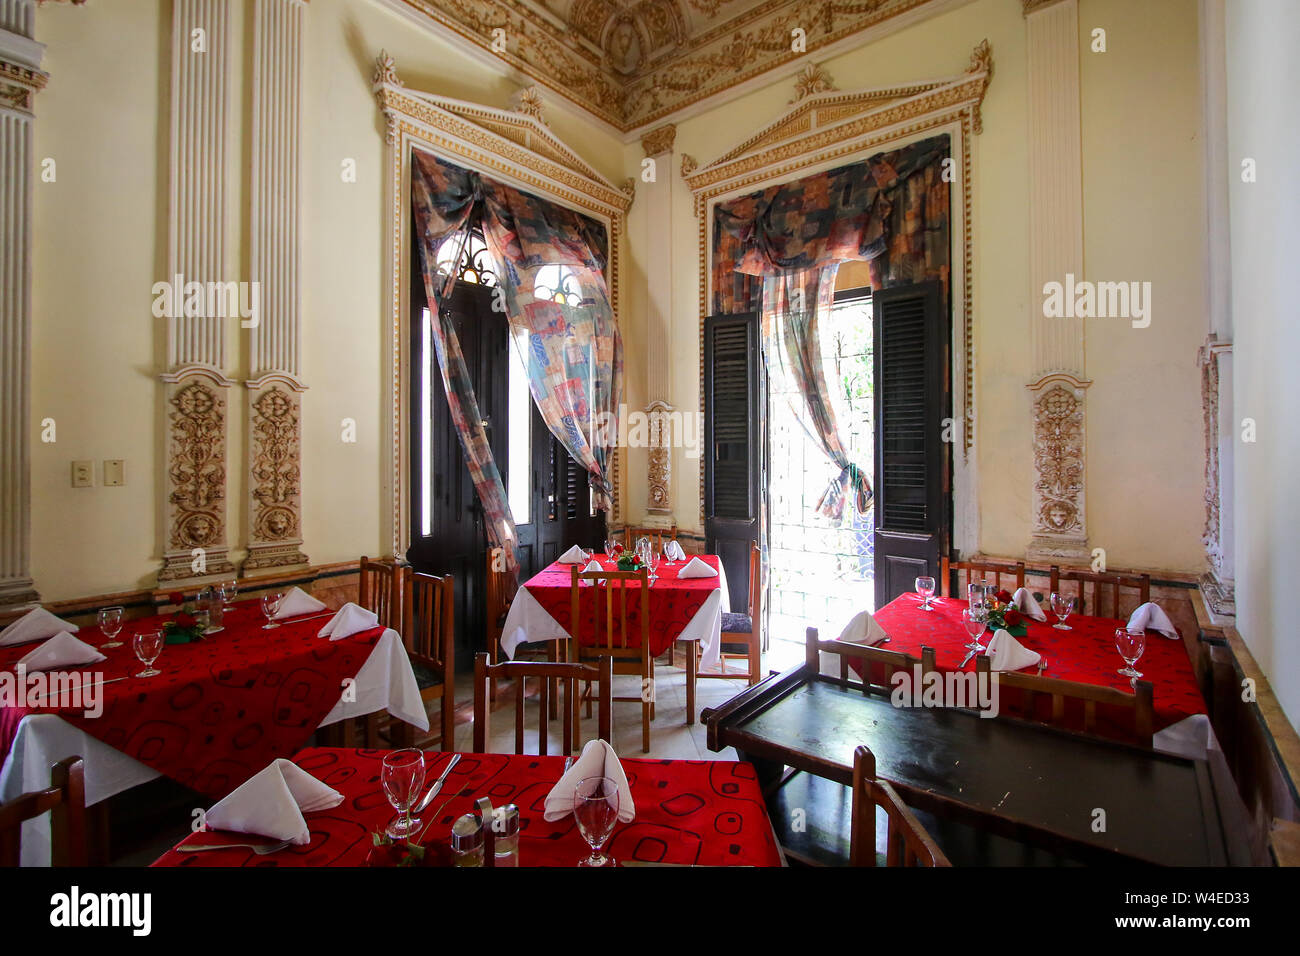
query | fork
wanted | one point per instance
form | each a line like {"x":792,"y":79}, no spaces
{"x":261,"y":849}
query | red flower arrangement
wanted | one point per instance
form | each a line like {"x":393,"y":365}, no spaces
{"x":183,"y":627}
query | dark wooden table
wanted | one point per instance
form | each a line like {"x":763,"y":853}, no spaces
{"x":1027,"y":782}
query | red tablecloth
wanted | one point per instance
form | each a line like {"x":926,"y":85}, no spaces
{"x":674,"y":602}
{"x":703,"y":812}
{"x":1086,"y":653}
{"x":222,"y":708}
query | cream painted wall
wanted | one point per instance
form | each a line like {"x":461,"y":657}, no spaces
{"x":1263,"y":84}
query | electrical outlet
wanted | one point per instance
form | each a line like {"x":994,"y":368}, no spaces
{"x":114,"y":472}
{"x":83,"y":474}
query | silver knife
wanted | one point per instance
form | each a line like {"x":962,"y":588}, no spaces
{"x":437,"y":785}
{"x":965,"y":660}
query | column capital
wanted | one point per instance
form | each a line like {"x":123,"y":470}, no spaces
{"x":659,"y":140}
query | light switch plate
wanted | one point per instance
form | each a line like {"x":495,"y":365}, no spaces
{"x":114,"y":472}
{"x":83,"y":474}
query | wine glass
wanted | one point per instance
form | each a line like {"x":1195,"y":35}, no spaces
{"x":110,"y":623}
{"x":595,"y":807}
{"x":270,"y":604}
{"x":1130,"y":645}
{"x":925,"y":588}
{"x":652,"y":562}
{"x":1062,"y":607}
{"x":148,"y":645}
{"x":228,"y":590}
{"x":403,"y":778}
{"x":610,"y":545}
{"x":973,"y":620}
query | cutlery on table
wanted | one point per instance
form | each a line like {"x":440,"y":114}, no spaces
{"x":966,"y":660}
{"x":437,"y":785}
{"x":261,"y":849}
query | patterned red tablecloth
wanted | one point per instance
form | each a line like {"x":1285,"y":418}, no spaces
{"x":705,"y":812}
{"x":674,"y":602}
{"x":222,"y":708}
{"x":1086,"y":653}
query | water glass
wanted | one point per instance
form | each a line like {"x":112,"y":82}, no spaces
{"x":595,"y":808}
{"x":1130,"y":645}
{"x":228,"y":590}
{"x":652,"y":562}
{"x":611,"y":545}
{"x":1062,"y":607}
{"x":402,"y":777}
{"x":925,"y":588}
{"x":270,"y":604}
{"x":148,"y":645}
{"x":973,"y":622}
{"x":110,"y":623}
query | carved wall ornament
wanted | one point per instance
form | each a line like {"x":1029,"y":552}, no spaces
{"x":385,"y":70}
{"x":1216,"y":584}
{"x":275,"y":522}
{"x":19,"y":85}
{"x":1059,"y":525}
{"x":528,"y":101}
{"x":812,"y":80}
{"x":659,"y":140}
{"x":689,"y":164}
{"x":659,"y":475}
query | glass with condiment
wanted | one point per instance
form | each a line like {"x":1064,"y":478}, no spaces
{"x":505,"y":830}
{"x":467,"y":841}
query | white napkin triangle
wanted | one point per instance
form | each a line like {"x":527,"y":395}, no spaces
{"x":272,"y":803}
{"x":61,"y":650}
{"x":598,"y":759}
{"x":673,"y":551}
{"x":1024,"y":602}
{"x":575,"y":555}
{"x":350,"y":619}
{"x":593,"y":566}
{"x":863,"y":629}
{"x":37,"y":624}
{"x":695,"y":568}
{"x":1005,"y":653}
{"x":1152,"y":617}
{"x":296,"y":601}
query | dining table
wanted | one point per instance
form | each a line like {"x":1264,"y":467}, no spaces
{"x":220,"y":709}
{"x":687,"y":813}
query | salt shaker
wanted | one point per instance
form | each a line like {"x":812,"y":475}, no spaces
{"x":505,"y":828}
{"x":467,"y":841}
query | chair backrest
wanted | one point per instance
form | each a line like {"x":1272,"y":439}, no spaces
{"x":500,"y":587}
{"x":907,"y":843}
{"x":65,"y":800}
{"x":429,"y":619}
{"x":380,"y":590}
{"x":755,"y":584}
{"x":951,"y":584}
{"x":657,"y":536}
{"x":610,"y":591}
{"x":875,"y":660}
{"x":1069,"y":699}
{"x":568,"y":676}
{"x":1103,"y":585}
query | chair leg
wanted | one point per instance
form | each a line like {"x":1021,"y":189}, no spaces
{"x":372,"y":731}
{"x":755,"y":660}
{"x":672,"y":654}
{"x":494,"y":650}
{"x":645,"y":726}
{"x":692,"y":669}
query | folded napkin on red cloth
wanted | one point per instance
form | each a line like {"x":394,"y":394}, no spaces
{"x":1005,"y":653}
{"x":295,"y":602}
{"x":863,"y":629}
{"x":37,"y":624}
{"x":350,"y":619}
{"x":272,"y":803}
{"x":61,"y":650}
{"x":1024,"y":602}
{"x":674,"y":551}
{"x":1152,"y":617}
{"x":575,"y":555}
{"x":695,"y":568}
{"x":598,"y":760}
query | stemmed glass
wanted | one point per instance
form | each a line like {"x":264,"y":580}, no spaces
{"x":148,"y":645}
{"x":595,"y":807}
{"x":925,"y":588}
{"x":110,"y":623}
{"x":973,"y":619}
{"x":270,"y":604}
{"x":403,"y":778}
{"x":1130,"y":645}
{"x":652,"y":562}
{"x":610,"y":545}
{"x":1062,"y":607}
{"x":228,"y":590}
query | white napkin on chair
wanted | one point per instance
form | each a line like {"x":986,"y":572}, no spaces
{"x":37,"y":624}
{"x":296,"y":601}
{"x":673,"y":550}
{"x":1152,"y":617}
{"x":598,"y":759}
{"x":61,"y":650}
{"x":863,"y":629}
{"x":695,"y":568}
{"x":1024,"y":602}
{"x":272,"y":803}
{"x":1005,"y":653}
{"x":575,"y":555}
{"x":350,"y":619}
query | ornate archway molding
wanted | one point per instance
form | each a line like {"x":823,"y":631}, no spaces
{"x":825,"y":127}
{"x":515,"y":146}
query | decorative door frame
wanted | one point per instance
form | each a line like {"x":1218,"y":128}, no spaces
{"x":515,"y":146}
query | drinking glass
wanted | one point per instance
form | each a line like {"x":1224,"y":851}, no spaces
{"x":973,"y":621}
{"x":148,"y":645}
{"x":925,"y":588}
{"x":977,"y":595}
{"x":403,"y":778}
{"x":595,"y":807}
{"x":270,"y":604}
{"x":642,"y":544}
{"x":110,"y":623}
{"x":610,"y":545}
{"x":652,"y":562}
{"x":1130,"y":645}
{"x":1062,"y":607}
{"x":228,"y":590}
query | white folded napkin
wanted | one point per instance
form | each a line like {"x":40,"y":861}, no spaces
{"x":297,"y":601}
{"x":350,"y":619}
{"x":1152,"y":617}
{"x":863,"y":629}
{"x":695,"y":568}
{"x":271,"y":804}
{"x":61,"y":650}
{"x":597,"y":760}
{"x":1024,"y":602}
{"x":574,"y":555}
{"x":673,"y":551}
{"x":37,"y":624}
{"x":1005,"y":653}
{"x":593,"y":565}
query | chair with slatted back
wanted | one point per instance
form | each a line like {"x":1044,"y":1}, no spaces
{"x":657,"y":536}
{"x":429,"y":632}
{"x":611,"y":592}
{"x":874,"y":660}
{"x":380,"y":590}
{"x":500,"y":591}
{"x":1135,"y":712}
{"x":741,"y":632}
{"x":567,"y":677}
{"x":907,"y":843}
{"x":1103,"y":585}
{"x":950,"y":583}
{"x":65,"y":801}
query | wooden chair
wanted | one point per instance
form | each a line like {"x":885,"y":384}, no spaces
{"x":65,"y":800}
{"x":950,"y":575}
{"x":566,"y":675}
{"x":429,"y":633}
{"x":380,"y":590}
{"x":500,"y":586}
{"x":630,"y":653}
{"x":741,"y":635}
{"x":657,"y":536}
{"x":907,"y":843}
{"x":887,"y":662}
{"x":1101,"y":584}
{"x":1069,"y":698}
